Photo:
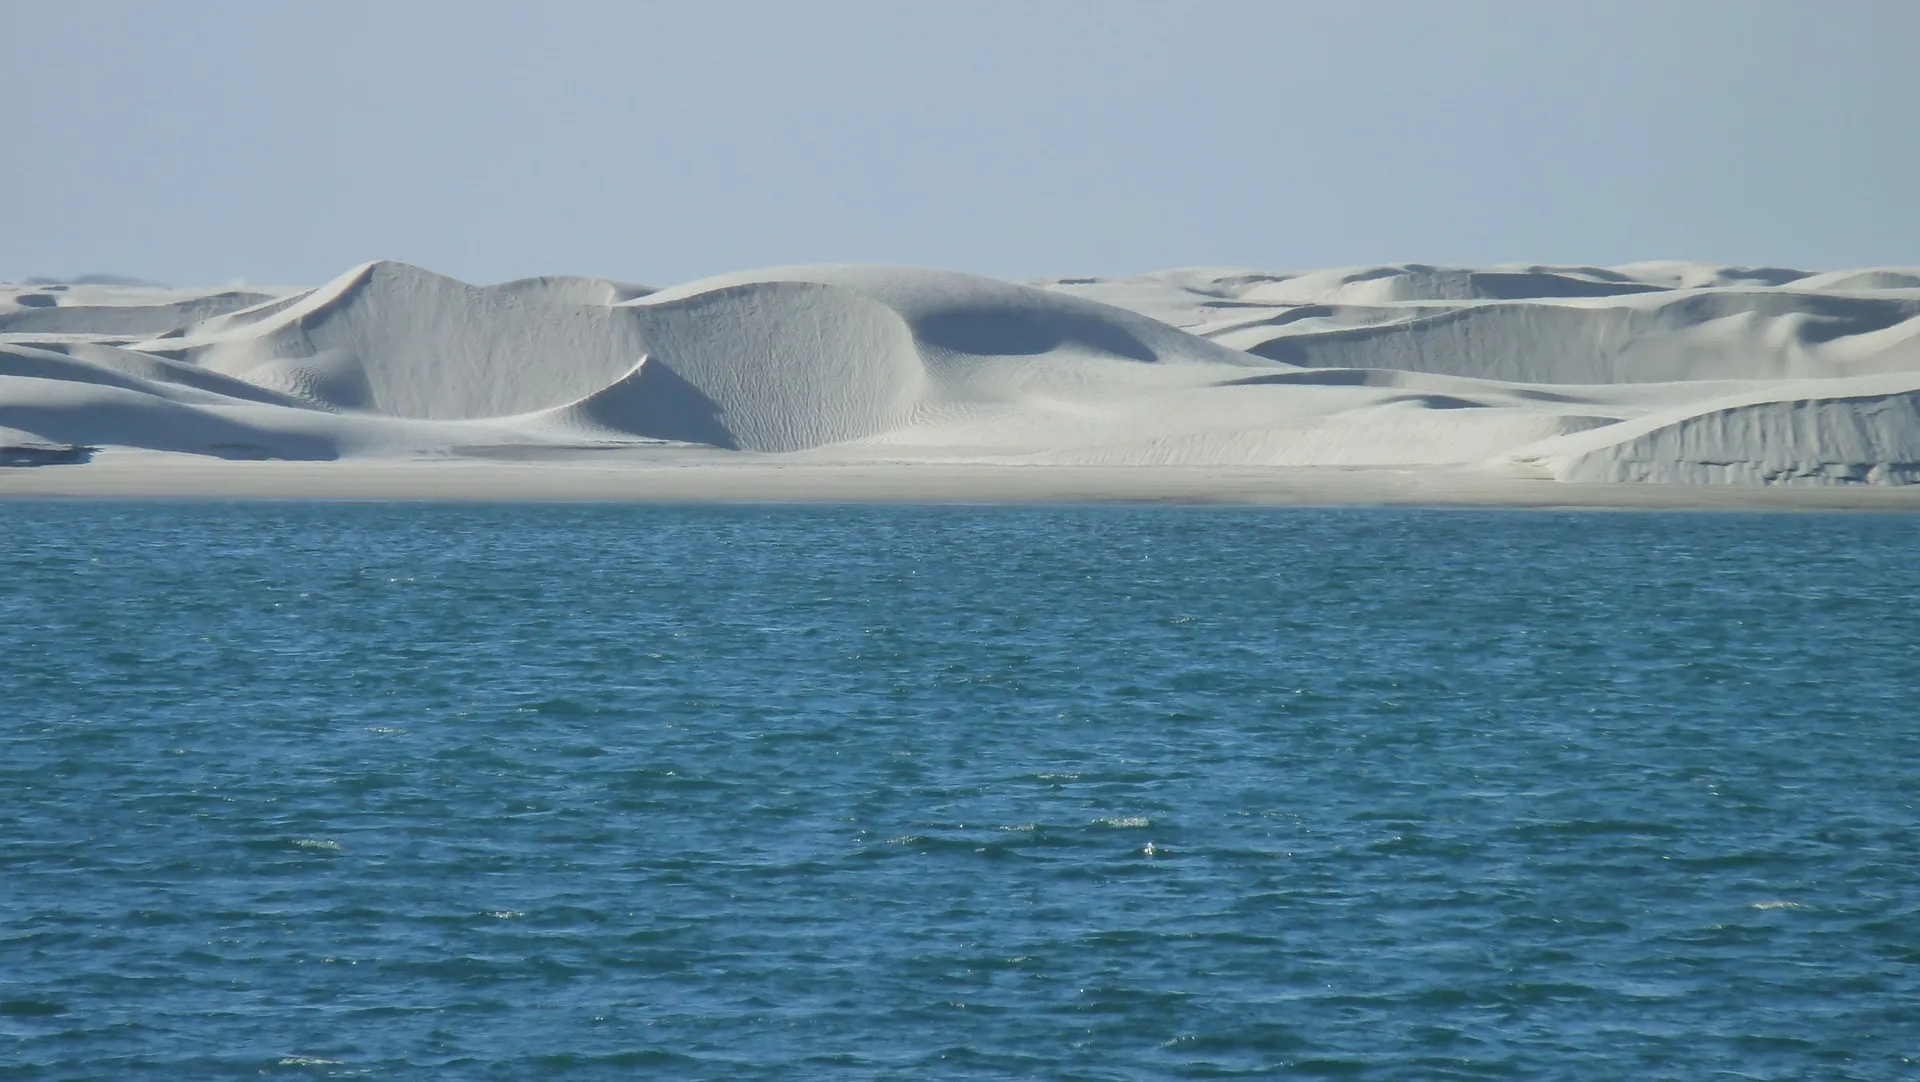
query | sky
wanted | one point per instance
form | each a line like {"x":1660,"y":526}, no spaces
{"x":281,"y":142}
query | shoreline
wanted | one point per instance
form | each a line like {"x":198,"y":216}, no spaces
{"x":764,"y":480}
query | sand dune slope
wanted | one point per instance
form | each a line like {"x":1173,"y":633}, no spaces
{"x":775,"y":366}
{"x":1661,"y":372}
{"x":1653,"y":322}
{"x":113,"y":311}
{"x":404,"y":342}
{"x":1864,"y":430}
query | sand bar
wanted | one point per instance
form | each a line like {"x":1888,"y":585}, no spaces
{"x":141,"y":477}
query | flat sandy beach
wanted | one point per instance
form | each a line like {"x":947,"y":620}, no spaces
{"x":760,"y":479}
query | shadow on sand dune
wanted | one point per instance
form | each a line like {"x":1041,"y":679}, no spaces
{"x":1005,"y":333}
{"x":655,"y":402}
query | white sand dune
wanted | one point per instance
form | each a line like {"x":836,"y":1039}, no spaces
{"x":1654,"y":372}
{"x":1865,"y":429}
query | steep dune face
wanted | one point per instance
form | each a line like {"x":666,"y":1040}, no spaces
{"x":1841,"y":431}
{"x":405,"y":342}
{"x":801,"y":357}
{"x":762,"y":366}
{"x":1655,"y":371}
{"x":790,"y":365}
{"x":783,"y":360}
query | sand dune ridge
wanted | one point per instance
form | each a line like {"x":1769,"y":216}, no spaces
{"x":1650,"y":372}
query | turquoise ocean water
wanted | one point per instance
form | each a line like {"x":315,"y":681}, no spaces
{"x":842,"y":793}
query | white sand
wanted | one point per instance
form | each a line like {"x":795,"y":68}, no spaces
{"x":1407,"y":384}
{"x":639,"y":477}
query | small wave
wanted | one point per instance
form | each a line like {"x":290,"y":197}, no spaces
{"x":1779,"y":905}
{"x":307,"y":1061}
{"x":1127,"y":821}
{"x":317,"y":843}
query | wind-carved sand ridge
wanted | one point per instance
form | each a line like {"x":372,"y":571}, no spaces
{"x":1447,"y":380}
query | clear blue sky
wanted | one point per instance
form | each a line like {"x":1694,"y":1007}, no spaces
{"x":281,"y":142}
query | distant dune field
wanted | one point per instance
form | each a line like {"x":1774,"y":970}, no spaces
{"x":1675,"y":373}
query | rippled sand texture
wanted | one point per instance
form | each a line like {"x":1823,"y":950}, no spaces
{"x":1662,"y":372}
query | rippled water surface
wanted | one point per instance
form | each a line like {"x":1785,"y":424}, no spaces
{"x":784,"y":793}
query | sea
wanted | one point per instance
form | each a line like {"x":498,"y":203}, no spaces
{"x":311,"y":790}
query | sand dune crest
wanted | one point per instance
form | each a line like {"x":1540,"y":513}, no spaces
{"x":1660,"y":372}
